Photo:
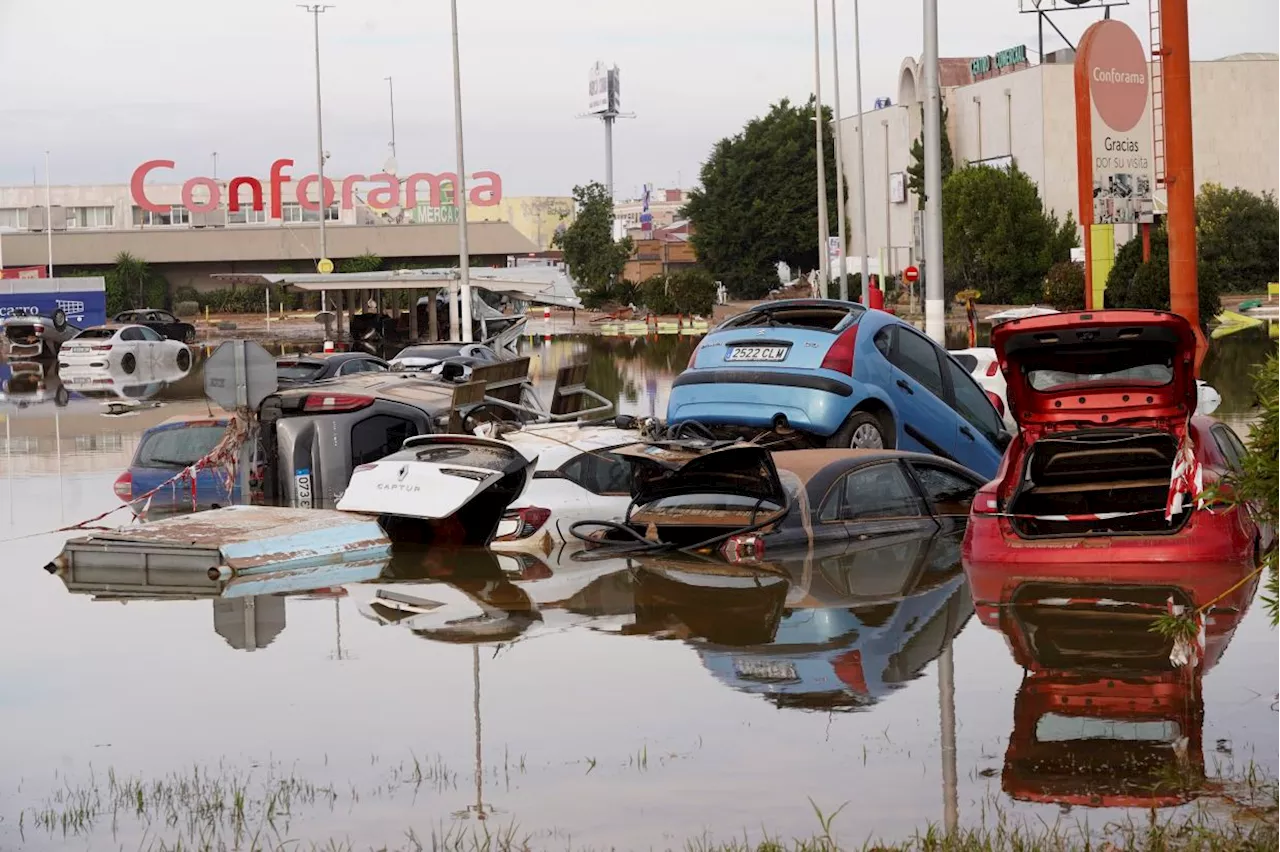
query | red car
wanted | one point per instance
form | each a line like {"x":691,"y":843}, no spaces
{"x":1105,"y":403}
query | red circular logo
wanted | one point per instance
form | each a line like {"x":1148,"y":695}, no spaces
{"x":1118,"y":76}
{"x":911,"y":274}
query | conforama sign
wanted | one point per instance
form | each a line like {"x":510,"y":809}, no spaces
{"x":485,"y":190}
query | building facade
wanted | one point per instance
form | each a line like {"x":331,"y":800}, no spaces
{"x":664,"y":208}
{"x":1025,"y":114}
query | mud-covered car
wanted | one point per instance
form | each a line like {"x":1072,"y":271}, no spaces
{"x":37,"y":336}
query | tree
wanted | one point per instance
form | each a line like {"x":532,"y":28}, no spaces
{"x":366,"y":262}
{"x":1238,"y":235}
{"x":915,"y":171}
{"x":1135,"y":284}
{"x":756,"y":203}
{"x":687,"y":292}
{"x":132,"y":283}
{"x":595,"y":261}
{"x":997,"y":237}
{"x":1064,"y":286}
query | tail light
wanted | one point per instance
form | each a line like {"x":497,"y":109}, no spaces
{"x":124,"y":486}
{"x":693,"y":356}
{"x":993,"y":368}
{"x":528,"y":521}
{"x":840,"y":356}
{"x":336,"y":402}
{"x":744,"y":548}
{"x":102,"y":347}
{"x":985,"y":502}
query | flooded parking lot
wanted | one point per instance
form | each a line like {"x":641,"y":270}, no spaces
{"x":625,"y":702}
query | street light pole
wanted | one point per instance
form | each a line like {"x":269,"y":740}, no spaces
{"x":823,"y":264}
{"x":48,"y":212}
{"x":835,"y":65}
{"x":460,"y":191}
{"x":315,"y":11}
{"x":391,"y":92}
{"x":935,"y":311}
{"x":862,"y":158}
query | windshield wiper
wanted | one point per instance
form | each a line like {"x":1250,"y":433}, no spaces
{"x":171,"y":462}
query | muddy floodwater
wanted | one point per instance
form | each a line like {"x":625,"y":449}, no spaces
{"x":620,"y":704}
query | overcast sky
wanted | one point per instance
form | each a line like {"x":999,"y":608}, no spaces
{"x":106,"y":85}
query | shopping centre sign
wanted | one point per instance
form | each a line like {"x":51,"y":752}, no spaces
{"x":204,"y":195}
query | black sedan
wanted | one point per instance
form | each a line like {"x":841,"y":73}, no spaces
{"x":160,"y":321}
{"x":305,"y":369}
{"x":748,"y":504}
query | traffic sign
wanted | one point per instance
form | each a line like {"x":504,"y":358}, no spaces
{"x":325,"y":266}
{"x":911,"y":275}
{"x":240,"y":374}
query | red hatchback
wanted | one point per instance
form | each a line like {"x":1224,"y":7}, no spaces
{"x":1098,"y":488}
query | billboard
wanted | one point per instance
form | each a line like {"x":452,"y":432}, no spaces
{"x":1120,"y":138}
{"x":83,"y":300}
{"x":598,"y":90}
{"x":24,"y":272}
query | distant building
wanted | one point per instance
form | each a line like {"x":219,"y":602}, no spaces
{"x":665,"y":251}
{"x":664,"y":207}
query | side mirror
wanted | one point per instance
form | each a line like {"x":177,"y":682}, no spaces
{"x":996,"y":401}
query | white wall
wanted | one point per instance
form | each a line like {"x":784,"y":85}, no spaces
{"x":896,"y":229}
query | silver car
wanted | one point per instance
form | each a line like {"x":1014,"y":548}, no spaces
{"x":34,"y":336}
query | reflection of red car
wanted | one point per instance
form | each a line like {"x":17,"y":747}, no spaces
{"x":1105,"y":401}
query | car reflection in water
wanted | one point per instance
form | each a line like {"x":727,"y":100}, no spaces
{"x":1103,"y":718}
{"x":27,"y":383}
{"x":112,"y":384}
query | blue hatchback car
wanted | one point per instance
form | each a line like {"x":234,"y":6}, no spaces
{"x":844,"y":375}
{"x":164,"y":451}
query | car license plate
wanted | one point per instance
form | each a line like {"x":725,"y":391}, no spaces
{"x":757,"y":353}
{"x":302,"y":484}
{"x":771,"y":670}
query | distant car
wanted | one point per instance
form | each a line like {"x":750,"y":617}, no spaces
{"x":168,"y":325}
{"x":751,"y":505}
{"x":426,"y":355}
{"x":304,"y":369}
{"x":124,"y":346}
{"x":1104,"y":402}
{"x":38,"y":336}
{"x":842,"y":376}
{"x":577,"y":478}
{"x":165,"y":450}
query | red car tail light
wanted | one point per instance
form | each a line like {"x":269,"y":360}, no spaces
{"x":102,"y":347}
{"x":124,"y":486}
{"x":840,"y":356}
{"x":985,"y":502}
{"x":336,"y":402}
{"x":528,"y":521}
{"x":993,"y":368}
{"x":743,"y":548}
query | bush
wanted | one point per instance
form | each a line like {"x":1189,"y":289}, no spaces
{"x":187,"y":308}
{"x":1064,"y":286}
{"x":693,"y":291}
{"x":1238,"y":236}
{"x":655,"y":293}
{"x":1134,"y":284}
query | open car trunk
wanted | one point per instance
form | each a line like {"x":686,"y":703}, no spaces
{"x":1092,"y":481}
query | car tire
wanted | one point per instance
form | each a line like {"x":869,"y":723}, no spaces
{"x":128,"y":363}
{"x":184,"y":359}
{"x":61,"y":397}
{"x":189,"y":336}
{"x":59,"y":319}
{"x":864,"y":431}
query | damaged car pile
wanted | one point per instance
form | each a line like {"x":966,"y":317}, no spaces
{"x":804,"y":434}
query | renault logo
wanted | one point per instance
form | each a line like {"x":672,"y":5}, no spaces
{"x":404,"y":471}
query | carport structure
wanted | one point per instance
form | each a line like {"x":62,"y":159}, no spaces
{"x":349,"y":290}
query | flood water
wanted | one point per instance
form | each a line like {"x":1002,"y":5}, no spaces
{"x":623,"y":703}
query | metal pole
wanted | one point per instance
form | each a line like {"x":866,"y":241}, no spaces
{"x":48,"y":212}
{"x":215,"y":165}
{"x":460,"y":191}
{"x":862,"y":157}
{"x":824,"y":272}
{"x":935,"y":312}
{"x":888,"y":210}
{"x":391,"y":91}
{"x":947,"y":718}
{"x":840,"y":203}
{"x":608,"y":154}
{"x":324,"y":209}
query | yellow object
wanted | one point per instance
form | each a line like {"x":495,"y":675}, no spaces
{"x":206,"y":314}
{"x":1273,"y":289}
{"x":1102,"y":253}
{"x":325,"y":266}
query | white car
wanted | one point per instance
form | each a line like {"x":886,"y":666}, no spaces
{"x":125,"y":348}
{"x":113,"y":384}
{"x":424,"y":356}
{"x":983,"y":365}
{"x":577,"y":478}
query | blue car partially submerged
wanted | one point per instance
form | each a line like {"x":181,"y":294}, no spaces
{"x":164,"y":452}
{"x":840,"y":375}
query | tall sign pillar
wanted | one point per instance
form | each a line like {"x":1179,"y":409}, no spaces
{"x":1114,"y":157}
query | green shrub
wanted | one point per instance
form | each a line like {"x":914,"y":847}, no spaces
{"x":1064,"y":286}
{"x":187,"y":308}
{"x":655,"y":293}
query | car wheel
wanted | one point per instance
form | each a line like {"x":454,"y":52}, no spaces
{"x":184,"y":359}
{"x":59,"y":319}
{"x":61,"y":397}
{"x":863,"y":431}
{"x":189,"y":336}
{"x":128,"y":363}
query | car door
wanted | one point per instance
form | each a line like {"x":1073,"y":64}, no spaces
{"x":978,"y":442}
{"x":167,"y":325}
{"x":151,"y":345}
{"x":919,"y":393}
{"x":948,"y":494}
{"x":881,"y":519}
{"x":129,"y":340}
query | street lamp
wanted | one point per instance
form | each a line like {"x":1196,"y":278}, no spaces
{"x":823,"y":266}
{"x":391,"y":92}
{"x":862,"y":157}
{"x":314,"y":11}
{"x":460,"y":190}
{"x":835,"y":64}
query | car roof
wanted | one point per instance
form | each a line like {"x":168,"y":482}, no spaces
{"x":807,"y":464}
{"x":409,"y":387}
{"x":556,"y":443}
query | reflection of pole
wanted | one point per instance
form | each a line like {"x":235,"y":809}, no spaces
{"x":337,"y":626}
{"x":57,"y":443}
{"x":475,"y":676}
{"x":8,"y":463}
{"x":947,"y":702}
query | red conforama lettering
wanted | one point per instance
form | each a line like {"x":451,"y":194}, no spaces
{"x":485,"y":192}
